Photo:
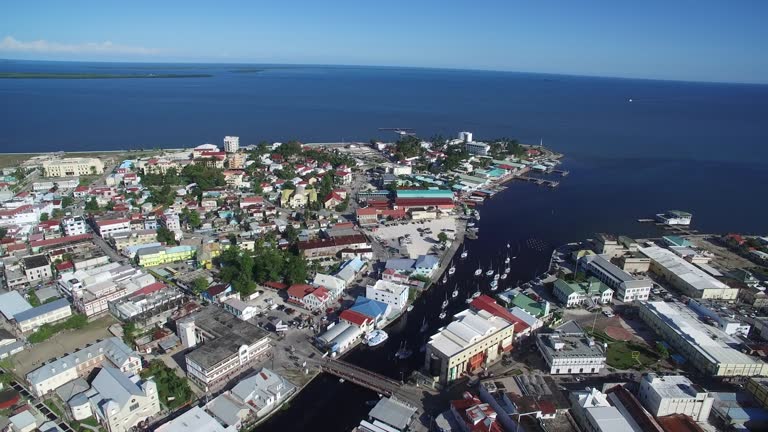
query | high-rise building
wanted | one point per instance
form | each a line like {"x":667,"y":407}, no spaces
{"x":231,"y":144}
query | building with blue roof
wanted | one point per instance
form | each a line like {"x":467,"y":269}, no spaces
{"x":350,"y":269}
{"x":376,"y":310}
{"x":426,"y":265}
{"x":12,"y":303}
{"x":32,"y":319}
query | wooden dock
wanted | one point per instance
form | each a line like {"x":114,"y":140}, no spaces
{"x":539,"y":181}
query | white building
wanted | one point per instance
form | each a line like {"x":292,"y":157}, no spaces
{"x":195,"y":420}
{"x":333,"y":284}
{"x":465,"y":137}
{"x":112,"y":351}
{"x":73,"y":167}
{"x":686,"y":277}
{"x":108,"y":227}
{"x":48,"y":313}
{"x":388,"y":292}
{"x":674,"y":217}
{"x":674,"y":394}
{"x":37,"y":268}
{"x":568,"y":350}
{"x":593,"y":412}
{"x":725,"y":320}
{"x":263,"y":392}
{"x":225,"y":346}
{"x":74,"y":226}
{"x":231,"y":144}
{"x":121,"y":402}
{"x":706,"y":348}
{"x":477,"y":148}
{"x":240,"y":309}
{"x":170,"y":220}
{"x":626,"y":287}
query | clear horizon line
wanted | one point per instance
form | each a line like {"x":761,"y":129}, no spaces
{"x":458,"y":69}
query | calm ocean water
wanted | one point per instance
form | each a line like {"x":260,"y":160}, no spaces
{"x":693,"y":146}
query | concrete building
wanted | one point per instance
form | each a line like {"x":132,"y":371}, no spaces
{"x":69,"y":167}
{"x":309,"y":297}
{"x":151,"y":304}
{"x":674,"y":217}
{"x":465,"y":136}
{"x":608,"y":245}
{"x":477,"y":148}
{"x":225,"y":346}
{"x":626,"y":287}
{"x":121,"y":402}
{"x":707,"y":348}
{"x":109,"y":352}
{"x":388,"y":415}
{"x":48,"y":313}
{"x":686,"y":277}
{"x":758,"y":388}
{"x":391,"y":293}
{"x":108,"y":227}
{"x":674,"y":394}
{"x":37,"y":268}
{"x":231,"y":144}
{"x":74,"y":226}
{"x":123,"y":240}
{"x":240,"y":309}
{"x":725,"y":320}
{"x":329,"y":248}
{"x":159,"y":255}
{"x":569,"y":350}
{"x":473,"y":339}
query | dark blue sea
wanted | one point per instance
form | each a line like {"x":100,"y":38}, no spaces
{"x":699,"y":147}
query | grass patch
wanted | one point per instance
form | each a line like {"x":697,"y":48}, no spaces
{"x":81,"y":426}
{"x":627,"y":355}
{"x":169,"y":385}
{"x":53,"y":407}
{"x":75,"y":322}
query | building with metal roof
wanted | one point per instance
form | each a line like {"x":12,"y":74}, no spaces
{"x":392,"y":413}
{"x":674,"y":394}
{"x":121,"y":402}
{"x":626,"y":287}
{"x":195,"y":420}
{"x":569,"y":350}
{"x":471,"y":340}
{"x":708,"y":348}
{"x":686,"y":277}
{"x":13,"y":303}
{"x":46,"y":313}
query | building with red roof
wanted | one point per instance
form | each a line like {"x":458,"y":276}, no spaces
{"x":308,"y":296}
{"x":356,"y":318}
{"x":474,"y":415}
{"x":488,"y":304}
{"x":426,"y":203}
{"x":58,"y":242}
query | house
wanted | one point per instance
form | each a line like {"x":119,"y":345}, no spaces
{"x":350,"y":270}
{"x":590,"y":292}
{"x":351,"y":317}
{"x":263,"y":392}
{"x":332,"y":200}
{"x":473,"y":415}
{"x":374,"y":309}
{"x":195,"y":420}
{"x":344,"y":177}
{"x":334,"y":284}
{"x":121,"y":402}
{"x":309,"y":297}
{"x":217,"y":293}
{"x":36,"y":268}
{"x":426,"y":265}
{"x":240,"y":309}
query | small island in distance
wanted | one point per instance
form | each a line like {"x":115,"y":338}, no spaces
{"x":46,"y":75}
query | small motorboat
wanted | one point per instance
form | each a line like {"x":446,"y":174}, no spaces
{"x":445,"y":279}
{"x":442,"y":315}
{"x":496,"y":277}
{"x":476,"y":294}
{"x":507,"y":270}
{"x":489,"y":272}
{"x":504,"y":276}
{"x":506,"y":261}
{"x":464,"y":253}
{"x":452,"y":270}
{"x":445,"y":302}
{"x":494,"y":285}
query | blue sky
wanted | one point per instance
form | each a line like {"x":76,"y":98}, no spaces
{"x":680,"y":39}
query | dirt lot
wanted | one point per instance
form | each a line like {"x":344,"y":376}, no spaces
{"x":723,"y":257}
{"x":60,"y":344}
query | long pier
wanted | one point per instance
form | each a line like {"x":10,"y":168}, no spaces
{"x":539,"y":181}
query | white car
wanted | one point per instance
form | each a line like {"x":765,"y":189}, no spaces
{"x":609,"y":314}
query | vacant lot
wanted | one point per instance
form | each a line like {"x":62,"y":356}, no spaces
{"x":64,"y":342}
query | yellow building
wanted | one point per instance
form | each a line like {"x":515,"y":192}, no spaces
{"x":73,"y":167}
{"x":707,"y":348}
{"x":208,"y":251}
{"x":159,"y":255}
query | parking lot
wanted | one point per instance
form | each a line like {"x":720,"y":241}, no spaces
{"x":416,"y":237}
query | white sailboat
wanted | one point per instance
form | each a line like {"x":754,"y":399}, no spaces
{"x":464,"y":252}
{"x":445,"y":302}
{"x":445,"y":278}
{"x":455,"y":293}
{"x":494,"y":285}
{"x":479,"y":271}
{"x":506,"y":261}
{"x":452,"y":269}
{"x":442,"y":315}
{"x":504,"y":276}
{"x":507,"y":270}
{"x":489,"y":272}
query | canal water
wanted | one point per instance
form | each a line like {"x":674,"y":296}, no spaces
{"x":598,"y":196}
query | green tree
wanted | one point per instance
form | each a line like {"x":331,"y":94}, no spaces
{"x":288,"y":149}
{"x":43,"y":217}
{"x":67,"y":201}
{"x":442,"y":237}
{"x":92,"y":205}
{"x":57,"y":213}
{"x":199,"y":285}
{"x":291,"y":234}
{"x":662,"y":350}
{"x":3,"y":232}
{"x":194,"y":220}
{"x":110,"y":205}
{"x":296,"y":271}
{"x":164,"y":235}
{"x":34,"y":300}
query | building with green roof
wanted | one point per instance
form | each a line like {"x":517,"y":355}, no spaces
{"x":590,"y":292}
{"x":424,"y":193}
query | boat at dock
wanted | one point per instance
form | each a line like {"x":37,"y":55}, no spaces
{"x":507,"y":270}
{"x":476,"y":294}
{"x":452,"y":270}
{"x":494,"y":285}
{"x":445,"y":278}
{"x":504,"y":276}
{"x":464,"y":254}
{"x":506,"y":261}
{"x":376,"y":337}
{"x":445,"y":302}
{"x":489,"y":272}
